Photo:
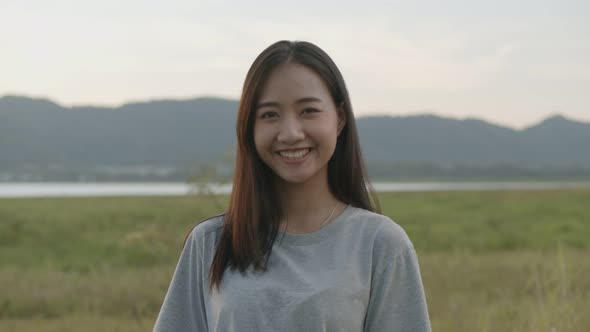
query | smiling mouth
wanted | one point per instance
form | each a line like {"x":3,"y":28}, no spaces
{"x":294,"y":154}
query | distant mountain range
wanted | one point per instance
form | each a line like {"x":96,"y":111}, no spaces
{"x":40,"y":136}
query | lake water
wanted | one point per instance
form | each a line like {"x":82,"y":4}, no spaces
{"x":67,"y":189}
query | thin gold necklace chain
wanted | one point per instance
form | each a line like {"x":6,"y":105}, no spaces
{"x":330,"y":216}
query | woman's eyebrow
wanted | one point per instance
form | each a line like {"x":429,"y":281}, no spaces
{"x":307,"y":100}
{"x":298,"y":101}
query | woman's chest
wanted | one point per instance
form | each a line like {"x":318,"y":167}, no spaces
{"x":303,"y":288}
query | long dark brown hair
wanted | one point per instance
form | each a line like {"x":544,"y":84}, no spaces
{"x":251,"y":222}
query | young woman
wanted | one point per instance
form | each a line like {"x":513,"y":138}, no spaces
{"x":301,"y":246}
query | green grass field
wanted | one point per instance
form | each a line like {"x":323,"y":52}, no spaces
{"x":490,"y":261}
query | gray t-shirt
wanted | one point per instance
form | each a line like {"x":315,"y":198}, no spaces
{"x":358,"y":273}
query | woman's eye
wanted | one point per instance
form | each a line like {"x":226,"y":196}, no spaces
{"x":310,"y":110}
{"x":268,"y":115}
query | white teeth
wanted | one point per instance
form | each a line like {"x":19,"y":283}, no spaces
{"x":294,"y":154}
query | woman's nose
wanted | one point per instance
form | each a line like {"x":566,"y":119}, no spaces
{"x":290,"y":131}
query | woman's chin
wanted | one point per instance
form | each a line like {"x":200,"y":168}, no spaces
{"x":294,"y":180}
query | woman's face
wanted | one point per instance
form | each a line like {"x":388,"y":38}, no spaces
{"x":296,"y":125}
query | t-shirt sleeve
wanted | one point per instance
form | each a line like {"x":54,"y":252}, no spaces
{"x":397,"y":302}
{"x":183,"y":308}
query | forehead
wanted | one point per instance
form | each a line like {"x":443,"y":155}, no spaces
{"x":290,"y":82}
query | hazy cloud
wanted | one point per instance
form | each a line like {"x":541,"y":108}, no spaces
{"x":509,"y":62}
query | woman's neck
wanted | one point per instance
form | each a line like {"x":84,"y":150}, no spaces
{"x":307,"y":205}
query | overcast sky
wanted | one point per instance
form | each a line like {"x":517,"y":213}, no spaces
{"x":508,"y":62}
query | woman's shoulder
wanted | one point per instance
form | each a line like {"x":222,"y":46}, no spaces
{"x":209,"y":225}
{"x":207,"y":231}
{"x":386,"y":234}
